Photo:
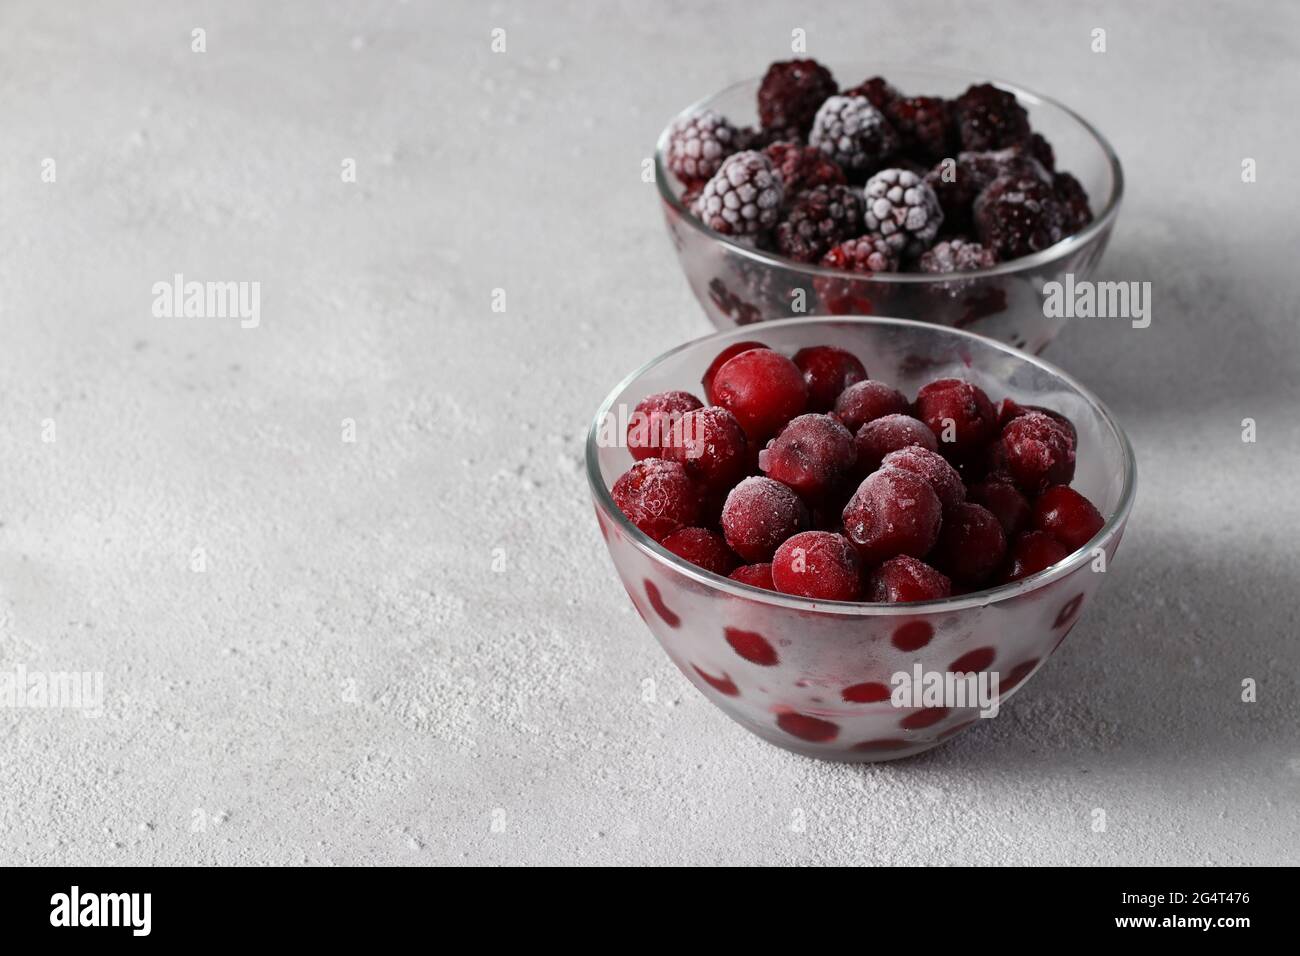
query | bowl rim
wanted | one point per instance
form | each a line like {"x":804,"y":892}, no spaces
{"x":1067,"y":565}
{"x":1100,"y":225}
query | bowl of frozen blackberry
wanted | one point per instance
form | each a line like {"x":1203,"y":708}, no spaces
{"x":911,"y":192}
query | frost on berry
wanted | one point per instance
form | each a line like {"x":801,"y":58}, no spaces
{"x":698,"y":144}
{"x":743,"y":198}
{"x":818,"y":219}
{"x":853,"y":133}
{"x":903,"y":210}
{"x":791,"y":92}
{"x":1019,"y":215}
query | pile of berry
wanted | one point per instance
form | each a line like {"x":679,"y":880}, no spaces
{"x":869,"y":180}
{"x":804,"y":476}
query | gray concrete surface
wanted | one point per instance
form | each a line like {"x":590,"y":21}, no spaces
{"x":411,"y":648}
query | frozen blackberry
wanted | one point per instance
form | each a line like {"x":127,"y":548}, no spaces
{"x":697,"y":145}
{"x":803,"y":167}
{"x":818,"y":219}
{"x":956,"y":255}
{"x":743,"y":198}
{"x":902,"y":210}
{"x":791,"y":93}
{"x":877,"y":90}
{"x":990,"y":118}
{"x":853,"y":133}
{"x":1074,"y":200}
{"x":1038,"y":147}
{"x":925,"y":124}
{"x":958,"y":183}
{"x":1019,"y":215}
{"x":863,"y":256}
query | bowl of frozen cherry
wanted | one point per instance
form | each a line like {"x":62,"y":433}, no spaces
{"x":917,"y":193}
{"x":803,"y":514}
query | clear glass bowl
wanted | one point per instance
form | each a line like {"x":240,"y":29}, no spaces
{"x":779,"y":664}
{"x":737,"y":285}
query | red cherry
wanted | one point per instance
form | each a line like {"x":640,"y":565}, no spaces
{"x":1005,"y":501}
{"x":972,"y":544}
{"x":813,"y":729}
{"x":763,"y":389}
{"x":701,"y":547}
{"x":658,"y":497}
{"x":818,"y":564}
{"x":903,"y":580}
{"x":867,"y":401}
{"x":934,"y":468}
{"x":973,"y":662}
{"x":869,"y":693}
{"x":1037,"y":452}
{"x":1017,"y":674}
{"x":652,"y":421}
{"x":657,"y":602}
{"x":730,"y":352}
{"x":959,"y":414}
{"x":828,"y":371}
{"x":813,"y":454}
{"x":723,"y":684}
{"x":1032,"y":552}
{"x":1067,"y":516}
{"x":913,"y":636}
{"x":752,"y":646}
{"x":711,"y":445}
{"x":892,"y":512}
{"x":755,"y":575}
{"x":880,"y":436}
{"x":759,"y":514}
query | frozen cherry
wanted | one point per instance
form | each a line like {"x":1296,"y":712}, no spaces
{"x":828,"y":371}
{"x":763,"y":389}
{"x":723,"y":357}
{"x":818,"y":564}
{"x":1067,"y":516}
{"x":934,"y":468}
{"x":893,"y":512}
{"x":971,"y":544}
{"x":701,"y":547}
{"x":759,"y":514}
{"x":1005,"y":501}
{"x":879,"y":437}
{"x":658,"y":497}
{"x":652,"y":420}
{"x":1032,"y":552}
{"x":752,"y":646}
{"x":813,"y":454}
{"x":1009,"y":409}
{"x":755,"y":575}
{"x":712,"y":445}
{"x":866,"y":401}
{"x":902,"y":580}
{"x":1037,"y":451}
{"x":813,"y":729}
{"x":960,"y":415}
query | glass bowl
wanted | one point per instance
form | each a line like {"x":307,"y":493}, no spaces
{"x":738,"y":285}
{"x":780,"y":665}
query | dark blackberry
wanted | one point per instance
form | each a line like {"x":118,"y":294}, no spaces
{"x":970,"y":173}
{"x":791,"y":93}
{"x":1019,"y":215}
{"x":1078,"y":213}
{"x":877,"y":90}
{"x":1038,"y":147}
{"x":818,"y":219}
{"x":803,"y":167}
{"x":743,"y":198}
{"x":956,"y":255}
{"x":902,"y":210}
{"x":990,"y":118}
{"x":863,"y":257}
{"x":853,"y":133}
{"x":925,"y":124}
{"x":697,"y":145}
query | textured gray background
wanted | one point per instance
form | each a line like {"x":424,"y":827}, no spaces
{"x":350,"y":681}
